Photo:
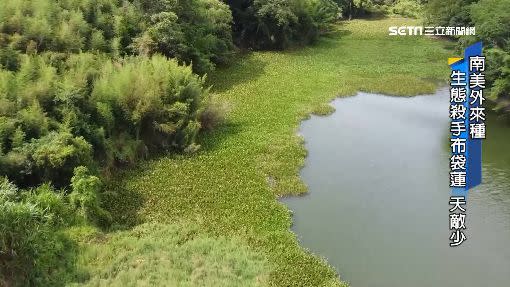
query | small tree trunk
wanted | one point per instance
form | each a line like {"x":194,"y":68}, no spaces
{"x":350,"y":10}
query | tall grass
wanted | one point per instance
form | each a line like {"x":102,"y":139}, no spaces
{"x":171,"y":255}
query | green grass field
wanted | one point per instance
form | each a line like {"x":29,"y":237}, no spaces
{"x":229,"y":190}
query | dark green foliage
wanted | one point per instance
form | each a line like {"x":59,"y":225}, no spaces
{"x":357,"y":8}
{"x":325,"y":14}
{"x":406,"y":8}
{"x":492,"y":21}
{"x":448,"y":12}
{"x":81,"y":91}
{"x":51,"y":158}
{"x":193,"y":31}
{"x":498,"y":73}
{"x":363,"y":8}
{"x":277,"y":24}
{"x":9,"y":59}
{"x":33,"y":250}
{"x":84,"y":197}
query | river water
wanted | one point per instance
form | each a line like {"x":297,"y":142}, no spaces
{"x":377,"y":208}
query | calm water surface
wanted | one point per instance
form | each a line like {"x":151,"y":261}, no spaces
{"x":377,"y":171}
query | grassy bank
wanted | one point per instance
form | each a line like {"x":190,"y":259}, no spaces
{"x":229,"y":189}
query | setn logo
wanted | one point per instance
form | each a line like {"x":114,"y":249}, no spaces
{"x":405,"y":30}
{"x":430,"y":31}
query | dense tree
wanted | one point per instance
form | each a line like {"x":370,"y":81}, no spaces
{"x":492,"y":21}
{"x":114,"y":111}
{"x":193,"y":31}
{"x":354,"y":8}
{"x":362,"y":8}
{"x":448,"y":12}
{"x":276,"y":24}
{"x":34,"y":250}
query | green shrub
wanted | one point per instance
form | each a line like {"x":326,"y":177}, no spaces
{"x":54,"y":203}
{"x":448,"y":12}
{"x":44,"y":25}
{"x":33,"y":251}
{"x":213,"y":114}
{"x":50,"y":158}
{"x":154,"y":102}
{"x":193,"y":31}
{"x":84,"y":197}
{"x":498,"y":74}
{"x":492,"y":21}
{"x":406,"y":8}
{"x":325,"y":13}
{"x":277,"y":24}
{"x":9,"y":59}
{"x":361,"y":8}
{"x":86,"y":110}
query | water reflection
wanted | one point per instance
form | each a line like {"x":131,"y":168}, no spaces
{"x":377,"y":171}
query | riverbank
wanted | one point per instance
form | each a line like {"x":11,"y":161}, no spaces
{"x":229,"y":189}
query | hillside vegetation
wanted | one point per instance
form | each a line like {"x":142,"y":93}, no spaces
{"x":130,"y":126}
